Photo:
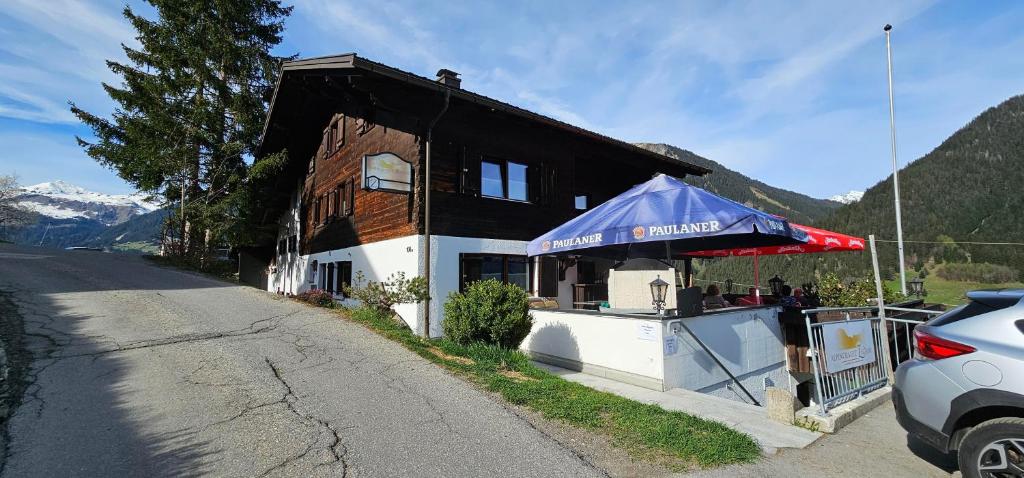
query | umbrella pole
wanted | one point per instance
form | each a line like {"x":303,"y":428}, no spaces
{"x":757,"y":280}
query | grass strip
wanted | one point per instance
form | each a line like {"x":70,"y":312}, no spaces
{"x":674,"y":439}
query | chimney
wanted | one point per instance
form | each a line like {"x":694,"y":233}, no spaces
{"x":448,"y":78}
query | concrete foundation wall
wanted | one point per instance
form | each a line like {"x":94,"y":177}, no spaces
{"x":747,"y":341}
{"x":652,"y":354}
{"x":627,"y":345}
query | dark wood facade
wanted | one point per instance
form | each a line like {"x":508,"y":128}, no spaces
{"x":561,"y":161}
{"x":335,"y":179}
{"x":560,"y":166}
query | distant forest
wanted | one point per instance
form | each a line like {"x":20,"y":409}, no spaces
{"x":967,"y":190}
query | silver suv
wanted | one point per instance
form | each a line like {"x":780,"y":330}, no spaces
{"x":964,"y":388}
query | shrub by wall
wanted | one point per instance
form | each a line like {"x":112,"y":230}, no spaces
{"x":318,"y":297}
{"x":854,"y":293}
{"x":384,"y":295}
{"x":490,"y":312}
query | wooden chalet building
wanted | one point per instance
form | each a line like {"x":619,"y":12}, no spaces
{"x":357,"y":132}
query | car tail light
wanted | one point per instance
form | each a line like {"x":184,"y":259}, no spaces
{"x":935,"y":348}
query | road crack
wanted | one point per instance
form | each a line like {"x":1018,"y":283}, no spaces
{"x":336,"y":448}
{"x":266,"y":325}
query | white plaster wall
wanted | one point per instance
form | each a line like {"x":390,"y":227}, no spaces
{"x":604,"y":340}
{"x":288,"y":270}
{"x":444,"y":267}
{"x":754,"y":383}
{"x":565,"y":288}
{"x":377,"y":261}
{"x":632,"y":289}
{"x":748,"y":341}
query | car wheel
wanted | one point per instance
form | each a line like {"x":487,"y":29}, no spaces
{"x":993,"y":449}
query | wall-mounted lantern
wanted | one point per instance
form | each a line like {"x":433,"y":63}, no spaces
{"x":776,"y":283}
{"x":659,"y":289}
{"x":916,"y":287}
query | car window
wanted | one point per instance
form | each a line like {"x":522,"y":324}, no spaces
{"x":973,"y":308}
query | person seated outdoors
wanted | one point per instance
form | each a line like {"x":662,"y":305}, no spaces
{"x":801,"y":300}
{"x":713,"y":298}
{"x":787,"y":298}
{"x":750,"y":299}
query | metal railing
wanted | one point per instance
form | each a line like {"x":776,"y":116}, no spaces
{"x":835,"y":388}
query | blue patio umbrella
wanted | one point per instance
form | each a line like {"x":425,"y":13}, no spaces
{"x":665,"y":218}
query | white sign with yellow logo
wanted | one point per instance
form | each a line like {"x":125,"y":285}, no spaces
{"x":847,"y":344}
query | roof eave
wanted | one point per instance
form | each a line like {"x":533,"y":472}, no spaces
{"x":351,"y":60}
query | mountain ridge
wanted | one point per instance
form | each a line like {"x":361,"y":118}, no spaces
{"x":848,"y":197}
{"x":61,"y":200}
{"x":795,"y":206}
{"x":69,"y":215}
{"x":967,"y":189}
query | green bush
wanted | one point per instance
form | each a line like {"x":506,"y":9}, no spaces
{"x":382,"y":296}
{"x":977,"y":272}
{"x":855,"y":293}
{"x":490,"y":312}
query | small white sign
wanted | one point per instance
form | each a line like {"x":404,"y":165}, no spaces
{"x":646,"y":331}
{"x":671,"y":346}
{"x":847,"y":344}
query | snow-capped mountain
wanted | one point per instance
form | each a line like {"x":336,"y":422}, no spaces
{"x":60,"y":200}
{"x":847,"y":198}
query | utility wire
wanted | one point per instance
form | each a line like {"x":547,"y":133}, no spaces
{"x":958,"y":242}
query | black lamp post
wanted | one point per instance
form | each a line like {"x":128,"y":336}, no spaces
{"x":916,"y":286}
{"x":776,"y":283}
{"x":658,"y":290}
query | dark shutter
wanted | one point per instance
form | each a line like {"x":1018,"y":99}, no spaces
{"x":339,"y":141}
{"x":471,"y":172}
{"x":551,"y":178}
{"x":330,"y":277}
{"x":351,"y":196}
{"x":534,"y":176}
{"x":548,"y":277}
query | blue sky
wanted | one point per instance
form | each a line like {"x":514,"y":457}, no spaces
{"x":791,"y":93}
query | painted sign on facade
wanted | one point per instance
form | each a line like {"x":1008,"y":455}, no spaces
{"x":386,"y":172}
{"x":847,"y":344}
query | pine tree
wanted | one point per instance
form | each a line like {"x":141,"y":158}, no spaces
{"x":190,"y":109}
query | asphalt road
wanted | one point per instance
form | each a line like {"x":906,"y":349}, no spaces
{"x":873,"y":445}
{"x":144,"y":371}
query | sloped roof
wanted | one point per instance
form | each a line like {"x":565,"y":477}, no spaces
{"x":351,"y":61}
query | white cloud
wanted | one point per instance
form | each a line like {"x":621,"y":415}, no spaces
{"x":792,"y":93}
{"x":56,"y":53}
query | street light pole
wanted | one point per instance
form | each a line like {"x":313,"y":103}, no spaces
{"x":895,"y":167}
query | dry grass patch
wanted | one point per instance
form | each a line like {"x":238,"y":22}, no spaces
{"x":451,"y":358}
{"x":517,"y":376}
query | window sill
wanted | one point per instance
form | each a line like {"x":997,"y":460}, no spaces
{"x":519,"y":201}
{"x":334,"y":220}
